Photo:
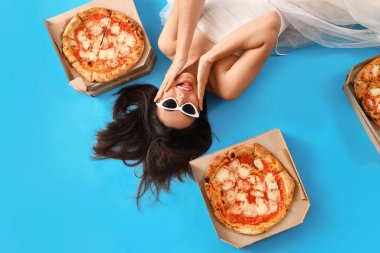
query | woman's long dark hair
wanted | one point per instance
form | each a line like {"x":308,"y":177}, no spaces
{"x":136,"y":135}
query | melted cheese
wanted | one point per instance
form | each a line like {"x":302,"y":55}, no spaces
{"x":235,"y":164}
{"x":252,"y":179}
{"x":111,"y":53}
{"x":375,"y":70}
{"x":86,"y":44}
{"x":102,"y":54}
{"x":87,"y":55}
{"x":82,"y":36}
{"x":243,"y":171}
{"x":227,"y":184}
{"x":378,"y":108}
{"x":104,"y":22}
{"x":374,"y":92}
{"x":115,"y":29}
{"x":123,"y":50}
{"x":243,"y":185}
{"x":273,"y":195}
{"x":230,"y":196}
{"x":270,"y":181}
{"x":121,"y":39}
{"x":241,"y":196}
{"x":222,"y":174}
{"x":96,"y":30}
{"x":258,"y":163}
{"x":236,"y":209}
{"x":272,"y":207}
{"x":257,"y":194}
{"x":259,"y":186}
{"x":249,"y":210}
{"x":130,"y":41}
{"x":261,"y":206}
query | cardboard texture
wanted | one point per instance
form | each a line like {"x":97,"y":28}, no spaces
{"x":56,"y":25}
{"x":372,"y":130}
{"x":275,"y":143}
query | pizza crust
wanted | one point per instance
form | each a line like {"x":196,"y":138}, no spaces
{"x":68,"y":48}
{"x":289,"y":186}
{"x":84,"y":14}
{"x":85,"y":72}
{"x":226,"y":170}
{"x":74,"y":24}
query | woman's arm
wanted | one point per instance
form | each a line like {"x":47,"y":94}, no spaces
{"x":189,"y":13}
{"x":234,"y":74}
{"x":181,"y":24}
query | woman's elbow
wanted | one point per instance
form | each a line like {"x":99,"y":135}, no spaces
{"x":229,"y":95}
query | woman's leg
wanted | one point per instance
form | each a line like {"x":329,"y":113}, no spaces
{"x":232,"y":75}
{"x":168,"y":38}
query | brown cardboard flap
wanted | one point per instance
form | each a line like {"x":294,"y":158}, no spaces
{"x":275,"y":143}
{"x":78,"y":84}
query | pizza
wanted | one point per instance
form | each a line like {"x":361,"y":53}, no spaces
{"x":102,"y":44}
{"x":367,"y":89}
{"x":249,"y":189}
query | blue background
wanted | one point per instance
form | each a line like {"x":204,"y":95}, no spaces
{"x":54,"y":198}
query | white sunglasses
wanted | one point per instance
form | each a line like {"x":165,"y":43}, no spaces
{"x":171,"y":104}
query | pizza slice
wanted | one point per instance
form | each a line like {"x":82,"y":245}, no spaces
{"x":80,"y":48}
{"x":96,"y":20}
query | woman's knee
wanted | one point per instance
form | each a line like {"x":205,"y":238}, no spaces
{"x":167,"y":47}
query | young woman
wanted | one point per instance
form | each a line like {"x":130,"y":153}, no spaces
{"x":217,"y":46}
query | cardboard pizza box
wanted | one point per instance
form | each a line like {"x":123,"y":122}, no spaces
{"x":275,"y":143}
{"x":372,"y":130}
{"x":56,"y":25}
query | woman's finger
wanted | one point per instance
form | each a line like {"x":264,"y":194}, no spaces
{"x":162,"y":86}
{"x":204,"y":68}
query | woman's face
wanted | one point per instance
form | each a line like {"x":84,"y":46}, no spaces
{"x":184,"y":91}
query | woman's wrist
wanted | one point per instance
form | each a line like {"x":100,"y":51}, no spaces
{"x":206,"y":59}
{"x":180,"y":57}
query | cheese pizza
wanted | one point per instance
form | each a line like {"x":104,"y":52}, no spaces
{"x":249,"y":189}
{"x":102,"y":44}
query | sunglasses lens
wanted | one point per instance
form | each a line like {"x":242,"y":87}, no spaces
{"x":189,"y":109}
{"x":170,"y":104}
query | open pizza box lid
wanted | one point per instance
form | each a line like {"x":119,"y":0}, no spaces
{"x":275,"y":143}
{"x":373,"y":131}
{"x":56,"y":25}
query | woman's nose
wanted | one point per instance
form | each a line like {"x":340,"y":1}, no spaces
{"x":181,"y":98}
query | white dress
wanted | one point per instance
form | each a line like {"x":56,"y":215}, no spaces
{"x":219,"y":17}
{"x":331,"y":23}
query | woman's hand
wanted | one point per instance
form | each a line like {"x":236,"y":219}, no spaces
{"x":204,"y":68}
{"x":173,"y":71}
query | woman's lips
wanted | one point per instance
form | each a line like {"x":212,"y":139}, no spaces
{"x":185,"y":85}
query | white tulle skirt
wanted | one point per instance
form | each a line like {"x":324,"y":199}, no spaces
{"x":331,"y":23}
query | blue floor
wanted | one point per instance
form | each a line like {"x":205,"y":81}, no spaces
{"x":54,"y":198}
